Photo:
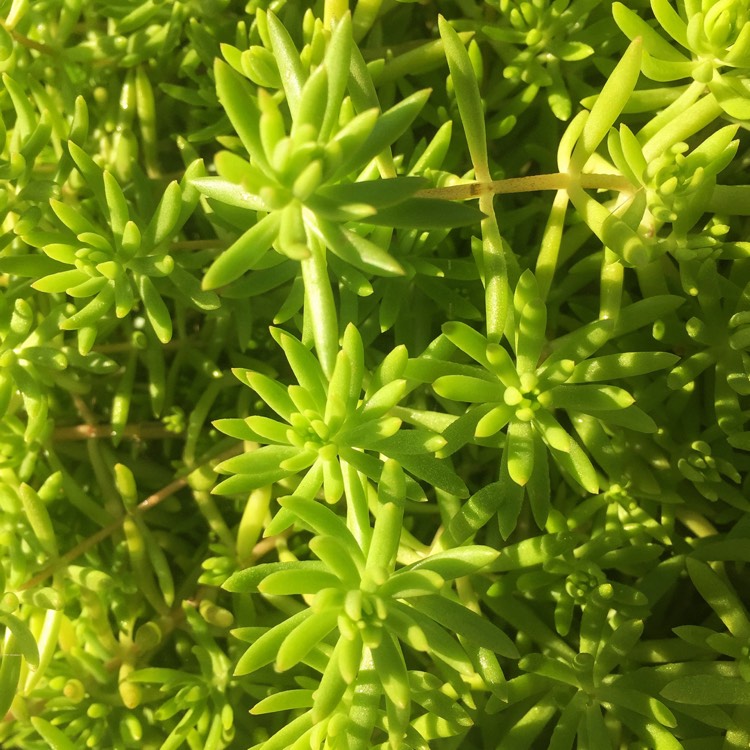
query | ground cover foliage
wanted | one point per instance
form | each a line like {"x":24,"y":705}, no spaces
{"x":374,"y":375}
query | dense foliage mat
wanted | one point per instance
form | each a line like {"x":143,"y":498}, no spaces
{"x":374,"y":376}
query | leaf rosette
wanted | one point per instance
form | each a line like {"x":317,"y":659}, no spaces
{"x":325,"y":426}
{"x":304,"y":179}
{"x":520,"y":390}
{"x":367,"y":608}
{"x":716,"y":36}
{"x":115,"y":263}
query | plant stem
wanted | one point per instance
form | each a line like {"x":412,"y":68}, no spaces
{"x":45,"y":49}
{"x":143,"y":431}
{"x":528,"y":184}
{"x":150,"y":502}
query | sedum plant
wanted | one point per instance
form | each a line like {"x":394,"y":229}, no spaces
{"x":374,"y":375}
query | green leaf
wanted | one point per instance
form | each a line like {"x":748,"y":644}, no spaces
{"x":589,"y":398}
{"x":389,"y":517}
{"x":257,"y":63}
{"x":552,"y":431}
{"x":244,"y":253}
{"x":469,"y":389}
{"x":290,"y":582}
{"x":261,"y":429}
{"x":616,"y":648}
{"x":285,"y":700}
{"x":539,"y":486}
{"x":377,"y":193}
{"x":721,"y":597}
{"x":631,"y":418}
{"x":237,"y":99}
{"x":93,"y":312}
{"x":645,"y":312}
{"x":292,"y":73}
{"x":531,"y":337}
{"x":287,"y":737}
{"x":91,"y":173}
{"x":510,"y":499}
{"x":263,"y":459}
{"x":426,"y":213}
{"x":54,"y":737}
{"x":408,"y":584}
{"x":335,"y":555}
{"x":435,"y":472}
{"x":156,"y":311}
{"x":633,"y":26}
{"x":410,"y":442}
{"x":467,"y":623}
{"x":34,"y":266}
{"x":480,"y":422}
{"x":626,"y":365}
{"x":549,"y":667}
{"x":708,"y":690}
{"x":10,"y":673}
{"x":609,"y":104}
{"x":337,"y":63}
{"x":573,"y":51}
{"x":118,"y":206}
{"x":388,"y":128}
{"x":581,"y":343}
{"x":466,"y":89}
{"x":22,"y":639}
{"x":456,"y":563}
{"x":265,"y":648}
{"x":349,"y":139}
{"x":474,"y":514}
{"x":503,"y":366}
{"x":247,"y":581}
{"x":383,"y":400}
{"x":578,"y":466}
{"x":73,"y":218}
{"x":312,"y":103}
{"x":57,"y":282}
{"x":39,"y":519}
{"x":635,"y":700}
{"x":272,"y":393}
{"x":596,"y":730}
{"x":325,"y":523}
{"x":228,"y":192}
{"x":468,"y":341}
{"x":305,"y":636}
{"x":422,"y":633}
{"x":305,"y":366}
{"x":334,"y":681}
{"x":391,"y":669}
{"x":358,"y":251}
{"x":732,"y":95}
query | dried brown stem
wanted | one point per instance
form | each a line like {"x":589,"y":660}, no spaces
{"x":143,"y":431}
{"x":150,"y":502}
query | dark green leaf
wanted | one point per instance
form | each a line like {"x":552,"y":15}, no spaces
{"x":427,"y":213}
